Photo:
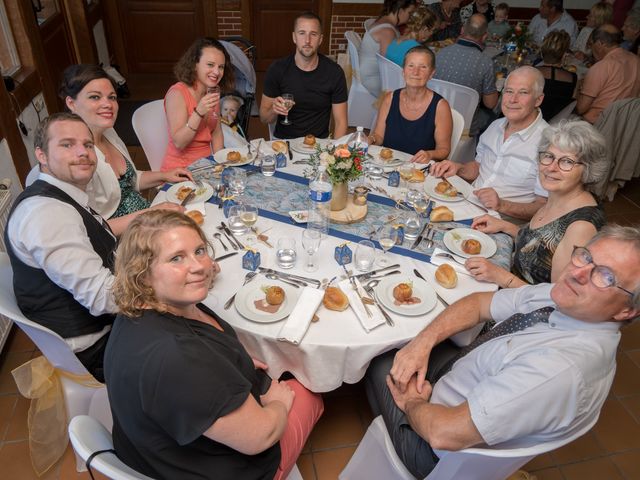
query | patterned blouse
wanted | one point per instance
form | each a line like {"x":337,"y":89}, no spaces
{"x":130,"y":200}
{"x":535,"y":247}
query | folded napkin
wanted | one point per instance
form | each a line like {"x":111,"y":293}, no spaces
{"x":440,"y":260}
{"x":465,"y":209}
{"x":199,"y":206}
{"x":300,"y":317}
{"x":356,"y":305}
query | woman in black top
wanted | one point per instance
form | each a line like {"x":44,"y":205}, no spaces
{"x":187,"y":399}
{"x":559,"y":83}
{"x":572,"y":156}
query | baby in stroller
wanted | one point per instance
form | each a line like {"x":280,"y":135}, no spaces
{"x":230,"y":105}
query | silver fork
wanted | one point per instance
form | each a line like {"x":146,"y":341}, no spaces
{"x":247,"y":278}
{"x":448,"y":255}
{"x":429,"y":238}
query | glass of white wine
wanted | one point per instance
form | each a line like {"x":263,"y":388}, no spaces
{"x":406,"y":172}
{"x":249,"y":216}
{"x":288,"y":104}
{"x":387,"y":237}
{"x":420,"y":205}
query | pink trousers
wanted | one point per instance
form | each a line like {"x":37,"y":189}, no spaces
{"x":306,"y":410}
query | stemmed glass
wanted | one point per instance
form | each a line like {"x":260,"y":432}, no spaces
{"x":215,"y":89}
{"x":288,"y":104}
{"x":311,"y":239}
{"x":249,"y":216}
{"x":387,"y":237}
{"x":420,"y":205}
{"x":406,"y":172}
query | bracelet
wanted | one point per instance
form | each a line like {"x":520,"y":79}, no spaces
{"x":191,"y":128}
{"x":195,"y":110}
{"x":510,"y":281}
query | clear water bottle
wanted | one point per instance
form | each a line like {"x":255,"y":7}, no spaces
{"x":359,"y":141}
{"x":319,"y":201}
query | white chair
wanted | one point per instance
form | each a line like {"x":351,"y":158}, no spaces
{"x":375,"y":457}
{"x":391,"y":77}
{"x":360,"y":104}
{"x":88,"y":435}
{"x":368,"y":22}
{"x":456,"y":131}
{"x":77,"y":397}
{"x":463,"y":99}
{"x":150,"y":124}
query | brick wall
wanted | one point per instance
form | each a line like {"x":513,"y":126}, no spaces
{"x":341,"y":24}
{"x":229,"y":23}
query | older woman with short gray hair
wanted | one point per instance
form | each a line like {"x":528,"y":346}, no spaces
{"x":571,"y":157}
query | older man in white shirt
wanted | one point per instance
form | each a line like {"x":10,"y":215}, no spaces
{"x":552,"y":16}
{"x":505,"y":171}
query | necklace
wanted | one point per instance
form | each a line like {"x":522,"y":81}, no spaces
{"x":413,"y":106}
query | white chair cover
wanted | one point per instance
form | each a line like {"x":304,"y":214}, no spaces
{"x":360,"y":105}
{"x":463,"y":99}
{"x":150,"y":124}
{"x":390,"y":74}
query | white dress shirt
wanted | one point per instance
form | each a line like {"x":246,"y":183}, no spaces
{"x":48,"y":234}
{"x":511,"y":166}
{"x":539,"y":27}
{"x":538,"y":385}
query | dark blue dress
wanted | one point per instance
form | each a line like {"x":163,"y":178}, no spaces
{"x":411,"y":136}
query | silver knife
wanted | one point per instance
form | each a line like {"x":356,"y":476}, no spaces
{"x":419,"y":238}
{"x":188,"y":198}
{"x":419,"y":275}
{"x":363,"y":276}
{"x":227,"y":255}
{"x":230,"y":233}
{"x":289,"y":150}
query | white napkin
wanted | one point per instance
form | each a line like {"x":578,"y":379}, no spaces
{"x":368,"y":323}
{"x":199,"y":206}
{"x":440,"y":260}
{"x":300,"y":317}
{"x":465,"y":209}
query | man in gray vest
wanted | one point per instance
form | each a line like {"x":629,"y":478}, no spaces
{"x":541,"y":374}
{"x":60,"y":250}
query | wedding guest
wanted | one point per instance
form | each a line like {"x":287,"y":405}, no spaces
{"x":631,"y":31}
{"x":559,"y":83}
{"x":230,"y":105}
{"x":395,"y":14}
{"x":420,"y":27}
{"x":600,"y":13}
{"x":448,"y":13}
{"x":478,"y":6}
{"x":571,"y":157}
{"x":114,"y":190}
{"x":192,"y":104}
{"x":415,"y":119}
{"x":187,"y":399}
{"x":552,"y":16}
{"x":499,"y":26}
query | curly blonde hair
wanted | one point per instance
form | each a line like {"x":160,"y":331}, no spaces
{"x":422,"y":18}
{"x":185,"y":69}
{"x":136,"y":252}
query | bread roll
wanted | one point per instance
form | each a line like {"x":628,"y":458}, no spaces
{"x":335,"y":299}
{"x":274,"y":295}
{"x":196,"y":216}
{"x":279,"y":146}
{"x":441,"y":214}
{"x":446,"y":276}
{"x":233,"y":157}
{"x":309,"y":140}
{"x":471,"y":246}
{"x":417,"y":177}
{"x":386,"y":154}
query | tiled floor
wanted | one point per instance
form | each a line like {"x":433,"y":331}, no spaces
{"x":610,"y":451}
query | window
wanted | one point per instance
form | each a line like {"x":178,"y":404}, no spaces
{"x":9,"y":59}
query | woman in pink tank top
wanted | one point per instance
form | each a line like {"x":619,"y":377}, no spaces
{"x":192,"y":104}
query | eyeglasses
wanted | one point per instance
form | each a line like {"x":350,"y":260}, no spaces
{"x":565,"y":164}
{"x":601,"y":276}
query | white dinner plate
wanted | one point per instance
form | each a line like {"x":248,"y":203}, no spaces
{"x":421,"y":289}
{"x":453,"y":241}
{"x":298,"y":145}
{"x":398,"y":157}
{"x":203,"y":193}
{"x":252,"y":291}
{"x":221,"y":156}
{"x":463,"y":187}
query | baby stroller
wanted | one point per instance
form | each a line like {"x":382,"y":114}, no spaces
{"x":242,"y":53}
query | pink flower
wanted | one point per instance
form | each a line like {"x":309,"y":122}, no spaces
{"x":342,"y":153}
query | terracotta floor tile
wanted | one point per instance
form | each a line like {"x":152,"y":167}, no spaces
{"x":540,"y":462}
{"x":628,"y":463}
{"x":632,"y":404}
{"x":68,"y":468}
{"x":598,"y":469}
{"x":305,"y":465}
{"x":552,"y":473}
{"x":617,"y":430}
{"x":11,"y":360}
{"x":19,"y":341}
{"x":16,"y":463}
{"x":630,"y":337}
{"x":627,"y":381}
{"x":330,"y":463}
{"x":339,"y":426}
{"x":634,"y":355}
{"x":18,"y":426}
{"x":584,"y":448}
{"x":7,"y":405}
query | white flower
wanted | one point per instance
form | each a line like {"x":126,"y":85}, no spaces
{"x":326,"y":159}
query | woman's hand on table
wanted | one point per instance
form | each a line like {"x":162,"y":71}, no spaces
{"x":423,"y":156}
{"x":177,"y":175}
{"x":489,"y":198}
{"x":484,"y":271}
{"x":411,"y":359}
{"x":278,"y":392}
{"x":411,"y":393}
{"x":488,"y":224}
{"x":445,"y":168}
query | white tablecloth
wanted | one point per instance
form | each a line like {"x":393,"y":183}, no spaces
{"x":336,"y":349}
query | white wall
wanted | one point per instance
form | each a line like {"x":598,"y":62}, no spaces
{"x":29,"y":118}
{"x":585,"y":4}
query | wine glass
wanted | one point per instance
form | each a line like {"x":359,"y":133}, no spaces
{"x":249,"y":216}
{"x":214,"y":89}
{"x":406,"y":172}
{"x":288,"y":104}
{"x":387,"y":237}
{"x":420,"y":205}
{"x":311,"y":242}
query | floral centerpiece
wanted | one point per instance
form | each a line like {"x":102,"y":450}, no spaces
{"x":519,"y":34}
{"x":343,"y":165}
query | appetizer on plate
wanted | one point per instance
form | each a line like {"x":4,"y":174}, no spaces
{"x":309,"y":140}
{"x":273,"y":298}
{"x":234,"y":157}
{"x":184,"y":192}
{"x":386,"y":154}
{"x":446,"y":189}
{"x":403,"y":294}
{"x":471,"y":246}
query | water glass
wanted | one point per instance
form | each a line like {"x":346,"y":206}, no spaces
{"x":406,"y":172}
{"x":286,"y":252}
{"x":268,"y":165}
{"x":238,"y":181}
{"x":413,"y":196}
{"x":373,"y":171}
{"x":311,"y":243}
{"x":365,"y":255}
{"x":236,"y":225}
{"x":412,"y":223}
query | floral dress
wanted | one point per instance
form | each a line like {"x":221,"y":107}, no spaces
{"x":130,"y":200}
